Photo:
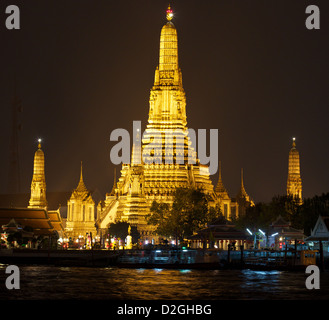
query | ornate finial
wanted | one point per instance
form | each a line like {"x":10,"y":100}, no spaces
{"x":219,"y":170}
{"x":81,"y":178}
{"x":170,"y":14}
{"x":39,"y":143}
{"x":293,"y":142}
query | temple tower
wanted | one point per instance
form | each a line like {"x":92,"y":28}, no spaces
{"x":168,"y":155}
{"x":81,"y":212}
{"x":294,"y":181}
{"x":38,"y":185}
{"x":243,"y":199}
{"x":222,"y":194}
{"x":163,"y":157}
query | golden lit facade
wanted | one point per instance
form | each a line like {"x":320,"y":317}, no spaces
{"x":171,"y":167}
{"x":155,"y":173}
{"x":156,"y":170}
{"x":294,"y":181}
{"x":232,"y":208}
{"x":38,"y":185}
{"x":80,"y":212}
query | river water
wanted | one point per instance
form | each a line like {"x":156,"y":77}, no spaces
{"x":50,"y":282}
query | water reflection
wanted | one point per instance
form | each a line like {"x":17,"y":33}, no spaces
{"x":184,"y":271}
{"x":46,"y":282}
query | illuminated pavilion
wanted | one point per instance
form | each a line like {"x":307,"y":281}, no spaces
{"x":149,"y":176}
{"x":80,"y":221}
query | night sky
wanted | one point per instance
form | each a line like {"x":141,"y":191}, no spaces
{"x":250,"y":68}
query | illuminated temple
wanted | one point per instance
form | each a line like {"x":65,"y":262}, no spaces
{"x":162,"y":159}
{"x":154,"y":174}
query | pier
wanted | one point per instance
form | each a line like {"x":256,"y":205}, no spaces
{"x":166,"y":258}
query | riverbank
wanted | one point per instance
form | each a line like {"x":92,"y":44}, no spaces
{"x":87,"y":258}
{"x":149,"y":259}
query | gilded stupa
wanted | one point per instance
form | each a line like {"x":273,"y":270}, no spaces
{"x":294,"y":181}
{"x":155,"y":170}
{"x":38,"y":185}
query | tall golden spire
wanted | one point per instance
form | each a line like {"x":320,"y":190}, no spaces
{"x":220,"y":188}
{"x":38,"y":185}
{"x":294,"y":181}
{"x":167,"y":113}
{"x":242,"y":189}
{"x":168,"y":73}
{"x":167,"y":97}
{"x":243,"y":193}
{"x":81,"y":186}
{"x":243,"y":199}
{"x":167,"y":118}
{"x":166,"y":146}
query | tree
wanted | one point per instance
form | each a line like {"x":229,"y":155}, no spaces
{"x":301,"y":216}
{"x":189,"y":210}
{"x":160,"y":217}
{"x":17,"y":236}
{"x":215,"y":214}
{"x":188,"y":213}
{"x":262,"y":214}
{"x":311,"y":209}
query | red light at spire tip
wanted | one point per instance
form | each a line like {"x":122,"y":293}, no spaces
{"x":169,"y":13}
